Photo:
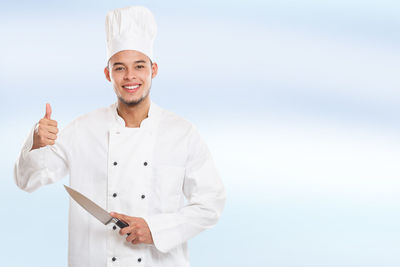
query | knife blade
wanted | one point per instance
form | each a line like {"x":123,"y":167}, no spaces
{"x":94,"y":209}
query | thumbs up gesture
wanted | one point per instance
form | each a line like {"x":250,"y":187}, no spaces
{"x":45,"y":131}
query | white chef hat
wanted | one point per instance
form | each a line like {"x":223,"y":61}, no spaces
{"x":130,"y":28}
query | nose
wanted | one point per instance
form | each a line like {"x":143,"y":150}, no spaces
{"x":129,"y":74}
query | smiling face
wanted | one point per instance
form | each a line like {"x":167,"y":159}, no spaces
{"x":130,"y":73}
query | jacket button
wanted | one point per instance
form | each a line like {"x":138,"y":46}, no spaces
{"x":115,"y":163}
{"x":143,"y":196}
{"x":114,"y":227}
{"x":115,"y":195}
{"x":114,"y":259}
{"x":145,"y":163}
{"x":139,"y":260}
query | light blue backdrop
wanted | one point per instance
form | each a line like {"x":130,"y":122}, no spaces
{"x":298,"y":100}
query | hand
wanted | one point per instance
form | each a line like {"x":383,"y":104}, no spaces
{"x":45,"y":131}
{"x":138,"y":231}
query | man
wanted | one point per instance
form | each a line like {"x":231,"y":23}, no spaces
{"x":147,"y":165}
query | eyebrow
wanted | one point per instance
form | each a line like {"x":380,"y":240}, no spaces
{"x":136,"y":62}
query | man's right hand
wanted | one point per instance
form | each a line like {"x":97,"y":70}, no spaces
{"x":46,"y":131}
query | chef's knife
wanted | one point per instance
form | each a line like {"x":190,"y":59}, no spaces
{"x":91,"y":207}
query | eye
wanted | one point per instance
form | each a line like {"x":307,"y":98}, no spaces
{"x":140,"y":66}
{"x":119,"y":68}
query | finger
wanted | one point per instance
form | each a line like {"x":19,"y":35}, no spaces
{"x":52,"y":123}
{"x":136,"y":241}
{"x":47,"y":142}
{"x":131,"y":238}
{"x":127,"y":230}
{"x":50,"y":142}
{"x":51,"y":136}
{"x":44,"y":129}
{"x":52,"y":129}
{"x":120,"y":216}
{"x":48,"y":111}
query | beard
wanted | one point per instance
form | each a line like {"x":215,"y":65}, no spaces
{"x":132,"y":103}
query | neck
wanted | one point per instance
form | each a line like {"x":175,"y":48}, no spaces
{"x":134,"y":115}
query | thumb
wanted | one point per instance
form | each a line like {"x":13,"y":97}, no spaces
{"x":48,"y":111}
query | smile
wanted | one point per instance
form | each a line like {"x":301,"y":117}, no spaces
{"x":133,"y":87}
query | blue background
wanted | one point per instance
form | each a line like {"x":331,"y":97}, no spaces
{"x":297,"y":100}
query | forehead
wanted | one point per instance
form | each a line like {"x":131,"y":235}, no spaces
{"x":129,"y":57}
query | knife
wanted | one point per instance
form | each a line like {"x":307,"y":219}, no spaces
{"x":91,"y":207}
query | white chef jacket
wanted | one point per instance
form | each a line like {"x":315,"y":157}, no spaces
{"x":161,"y":171}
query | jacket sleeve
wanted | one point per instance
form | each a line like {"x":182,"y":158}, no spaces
{"x":205,"y":196}
{"x":41,"y":166}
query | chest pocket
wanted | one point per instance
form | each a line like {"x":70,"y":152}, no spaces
{"x":167,"y":184}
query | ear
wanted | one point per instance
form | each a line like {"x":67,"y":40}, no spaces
{"x":154,"y":70}
{"x":107,"y":74}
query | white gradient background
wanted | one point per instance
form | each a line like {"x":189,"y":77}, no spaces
{"x":297,"y":100}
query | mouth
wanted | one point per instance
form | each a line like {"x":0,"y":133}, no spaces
{"x":131,"y":88}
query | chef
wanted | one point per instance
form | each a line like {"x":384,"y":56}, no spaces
{"x":146,"y":165}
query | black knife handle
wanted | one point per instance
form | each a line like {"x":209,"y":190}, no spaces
{"x":121,"y":224}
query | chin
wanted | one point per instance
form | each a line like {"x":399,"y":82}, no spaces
{"x":131,"y":102}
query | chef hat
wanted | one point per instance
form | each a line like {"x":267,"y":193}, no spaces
{"x":130,"y":28}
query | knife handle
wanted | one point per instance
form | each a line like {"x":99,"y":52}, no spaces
{"x":121,"y":224}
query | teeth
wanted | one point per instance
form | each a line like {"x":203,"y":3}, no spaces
{"x":131,"y":87}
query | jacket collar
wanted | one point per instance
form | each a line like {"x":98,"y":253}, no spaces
{"x":149,"y":123}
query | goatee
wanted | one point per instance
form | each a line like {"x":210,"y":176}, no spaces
{"x":134,"y":102}
{"x":131,"y":103}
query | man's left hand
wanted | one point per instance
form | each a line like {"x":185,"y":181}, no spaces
{"x":138,"y":230}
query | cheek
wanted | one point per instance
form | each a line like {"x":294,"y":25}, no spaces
{"x":115,"y":83}
{"x":116,"y":78}
{"x":146,"y":77}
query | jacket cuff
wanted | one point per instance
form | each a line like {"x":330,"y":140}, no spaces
{"x":30,"y":162}
{"x":165,"y":230}
{"x":28,"y":142}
